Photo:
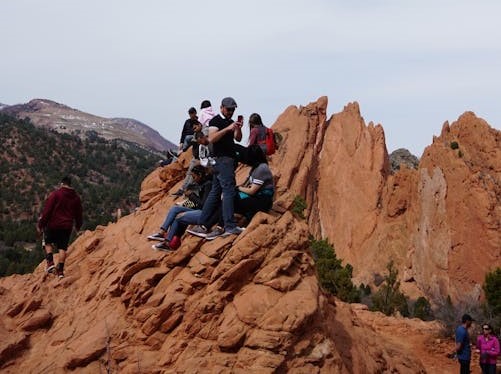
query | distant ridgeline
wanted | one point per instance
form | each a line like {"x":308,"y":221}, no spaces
{"x":106,"y":173}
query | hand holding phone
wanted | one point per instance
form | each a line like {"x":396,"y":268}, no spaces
{"x":240,"y":119}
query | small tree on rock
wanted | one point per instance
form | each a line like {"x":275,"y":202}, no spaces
{"x":388,"y":298}
{"x":332,"y":275}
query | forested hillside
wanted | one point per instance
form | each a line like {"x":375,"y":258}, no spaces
{"x":107,"y":175}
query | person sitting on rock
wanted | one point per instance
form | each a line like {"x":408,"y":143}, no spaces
{"x":206,"y":113}
{"x":184,"y":219}
{"x":256,"y":194}
{"x":196,"y":141}
{"x":257,"y":130}
{"x":195,"y":194}
{"x":188,"y":131}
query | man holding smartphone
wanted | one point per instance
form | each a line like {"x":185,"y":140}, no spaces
{"x":223,"y":132}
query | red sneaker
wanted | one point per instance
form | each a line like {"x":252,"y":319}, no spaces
{"x":175,"y":242}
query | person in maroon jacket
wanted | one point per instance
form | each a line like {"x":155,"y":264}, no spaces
{"x":62,"y":209}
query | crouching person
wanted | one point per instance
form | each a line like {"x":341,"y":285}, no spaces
{"x":195,"y":195}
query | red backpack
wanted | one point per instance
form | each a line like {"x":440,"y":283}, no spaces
{"x":266,"y":140}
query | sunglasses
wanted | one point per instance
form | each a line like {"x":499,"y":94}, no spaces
{"x":486,"y":328}
{"x":230,"y":109}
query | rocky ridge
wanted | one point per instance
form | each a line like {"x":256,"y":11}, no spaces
{"x":252,"y":303}
{"x":430,"y":221}
{"x":63,"y":119}
{"x":403,"y":156}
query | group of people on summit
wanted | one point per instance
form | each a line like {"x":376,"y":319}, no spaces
{"x":211,"y":196}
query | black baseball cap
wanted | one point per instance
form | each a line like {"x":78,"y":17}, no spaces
{"x":229,"y":102}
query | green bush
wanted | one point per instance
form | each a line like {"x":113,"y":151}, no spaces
{"x":422,"y":309}
{"x":332,"y":276}
{"x":492,"y":289}
{"x":454,"y":145}
{"x":388,"y":298}
{"x":298,"y":206}
{"x":17,"y":260}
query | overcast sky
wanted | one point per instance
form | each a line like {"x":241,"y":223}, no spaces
{"x":411,"y":65}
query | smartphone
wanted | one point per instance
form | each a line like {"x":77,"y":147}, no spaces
{"x":240,"y":119}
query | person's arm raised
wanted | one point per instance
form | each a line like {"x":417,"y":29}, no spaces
{"x":237,"y":133}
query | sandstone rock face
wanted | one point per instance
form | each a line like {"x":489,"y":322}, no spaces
{"x":246,"y":304}
{"x":458,"y":216}
{"x":440,"y":224}
{"x":252,"y":303}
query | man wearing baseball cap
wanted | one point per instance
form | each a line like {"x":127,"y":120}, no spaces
{"x":223,"y":132}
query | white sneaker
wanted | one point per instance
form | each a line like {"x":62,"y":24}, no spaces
{"x":198,"y":230}
{"x":158,"y":236}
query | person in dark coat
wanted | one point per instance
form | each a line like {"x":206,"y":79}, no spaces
{"x":62,"y":211}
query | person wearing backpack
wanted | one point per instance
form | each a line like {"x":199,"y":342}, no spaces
{"x":261,"y":135}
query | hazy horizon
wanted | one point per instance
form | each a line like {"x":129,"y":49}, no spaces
{"x":411,"y":66}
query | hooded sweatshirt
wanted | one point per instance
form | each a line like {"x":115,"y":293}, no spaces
{"x":206,"y":114}
{"x":62,"y":208}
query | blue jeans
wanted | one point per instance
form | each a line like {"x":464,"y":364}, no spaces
{"x":223,"y":182}
{"x":171,"y":216}
{"x":190,"y":217}
{"x":187,"y":141}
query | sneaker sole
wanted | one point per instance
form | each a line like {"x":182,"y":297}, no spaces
{"x":50,"y":269}
{"x":212,"y":237}
{"x":226,"y":233}
{"x":161,"y":249}
{"x":156,"y":238}
{"x":199,"y":234}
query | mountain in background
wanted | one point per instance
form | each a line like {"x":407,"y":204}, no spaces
{"x":106,"y":173}
{"x":253,"y":303}
{"x":63,"y":119}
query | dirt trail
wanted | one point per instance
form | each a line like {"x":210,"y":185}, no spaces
{"x":420,"y":337}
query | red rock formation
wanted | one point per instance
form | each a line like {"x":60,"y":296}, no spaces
{"x":440,"y":223}
{"x":456,"y":237}
{"x":252,"y":303}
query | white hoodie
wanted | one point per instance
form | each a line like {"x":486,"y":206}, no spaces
{"x":206,"y":114}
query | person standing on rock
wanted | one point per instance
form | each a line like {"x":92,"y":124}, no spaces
{"x":488,"y":347}
{"x":463,"y":349}
{"x":223,"y":132}
{"x":256,"y":194}
{"x":62,"y":210}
